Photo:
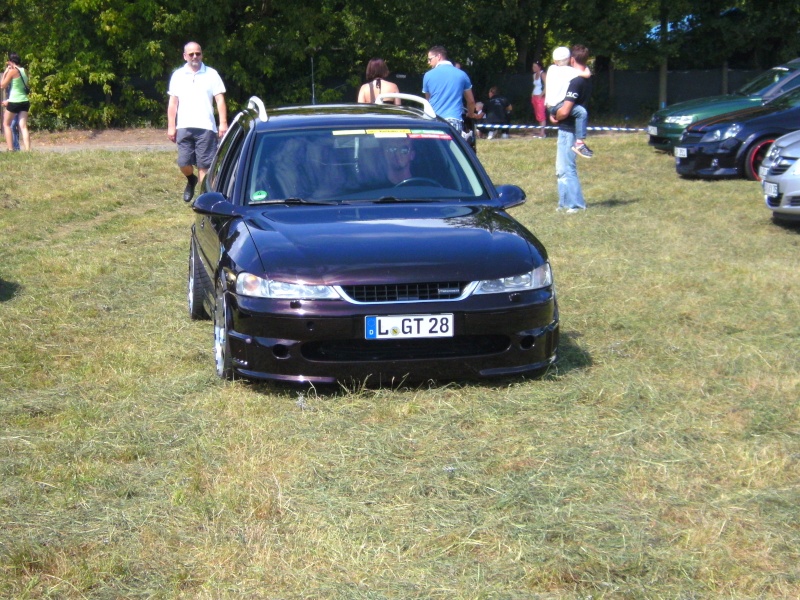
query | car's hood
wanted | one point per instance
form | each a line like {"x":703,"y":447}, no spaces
{"x":780,"y":114}
{"x":789,"y":143}
{"x":712,"y":105}
{"x":392,"y":242}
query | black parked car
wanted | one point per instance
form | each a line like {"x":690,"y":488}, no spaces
{"x":735,"y":144}
{"x":364,"y":242}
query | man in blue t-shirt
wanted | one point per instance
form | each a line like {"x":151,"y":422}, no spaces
{"x":447,"y":88}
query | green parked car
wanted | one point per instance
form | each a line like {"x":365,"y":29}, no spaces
{"x":667,"y":125}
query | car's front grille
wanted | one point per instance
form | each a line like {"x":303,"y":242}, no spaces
{"x":780,"y":167}
{"x":774,"y":201}
{"x":405,"y":292}
{"x":380,"y":350}
{"x":690,"y":137}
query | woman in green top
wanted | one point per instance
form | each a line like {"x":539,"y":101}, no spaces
{"x":18,"y":102}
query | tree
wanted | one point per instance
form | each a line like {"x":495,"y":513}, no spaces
{"x":107,"y":62}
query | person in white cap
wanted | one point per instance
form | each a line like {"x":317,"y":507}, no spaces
{"x":559,"y":74}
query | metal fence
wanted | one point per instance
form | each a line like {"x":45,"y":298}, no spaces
{"x":626,"y":94}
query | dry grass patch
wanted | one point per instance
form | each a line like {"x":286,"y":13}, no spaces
{"x":658,"y":459}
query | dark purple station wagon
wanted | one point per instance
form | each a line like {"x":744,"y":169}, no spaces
{"x":364,"y":243}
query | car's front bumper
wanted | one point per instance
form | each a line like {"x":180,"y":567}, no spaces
{"x":782,"y":196}
{"x":663,"y":136}
{"x":324,"y":342}
{"x":707,"y":160}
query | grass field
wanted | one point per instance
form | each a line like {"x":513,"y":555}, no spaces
{"x":658,"y":459}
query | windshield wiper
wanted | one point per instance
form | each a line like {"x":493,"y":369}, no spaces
{"x":395,"y":199}
{"x":292,"y":200}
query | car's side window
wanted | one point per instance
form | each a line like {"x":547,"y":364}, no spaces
{"x":216,"y":166}
{"x":790,"y":84}
{"x":224,"y":167}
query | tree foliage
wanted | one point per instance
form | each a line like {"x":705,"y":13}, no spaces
{"x":107,"y":62}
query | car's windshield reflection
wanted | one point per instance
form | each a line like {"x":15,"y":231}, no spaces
{"x":343,"y":166}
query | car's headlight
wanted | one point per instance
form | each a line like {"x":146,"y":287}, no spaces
{"x":540,"y":277}
{"x":258,"y":287}
{"x":723,"y":133}
{"x":682,"y":120}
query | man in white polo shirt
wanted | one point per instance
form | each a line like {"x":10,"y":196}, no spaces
{"x":193,"y":89}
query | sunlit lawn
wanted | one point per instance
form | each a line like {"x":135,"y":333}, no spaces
{"x":658,"y":459}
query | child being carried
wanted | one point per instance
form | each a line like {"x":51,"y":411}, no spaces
{"x":559,"y":74}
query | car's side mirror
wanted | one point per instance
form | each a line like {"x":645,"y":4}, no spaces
{"x":510,"y":195}
{"x":214,"y":203}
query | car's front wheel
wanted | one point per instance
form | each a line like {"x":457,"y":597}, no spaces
{"x":222,"y":346}
{"x":755,"y":156}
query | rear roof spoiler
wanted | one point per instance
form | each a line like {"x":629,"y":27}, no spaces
{"x":255,"y":102}
{"x":427,"y":109}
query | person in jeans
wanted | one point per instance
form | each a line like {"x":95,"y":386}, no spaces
{"x":570,"y":194}
{"x":559,"y":76}
{"x":447,"y":88}
{"x":14,"y":125}
{"x":190,"y":115}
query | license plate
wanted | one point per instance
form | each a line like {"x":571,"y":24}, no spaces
{"x":652,"y":130}
{"x":680,"y":152}
{"x":396,"y":327}
{"x":771,"y":189}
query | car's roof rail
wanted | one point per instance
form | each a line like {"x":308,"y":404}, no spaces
{"x":255,"y":102}
{"x":427,"y":109}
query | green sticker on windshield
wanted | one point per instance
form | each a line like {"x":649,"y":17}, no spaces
{"x":259,"y":195}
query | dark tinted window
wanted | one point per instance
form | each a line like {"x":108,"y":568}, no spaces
{"x":358,"y":164}
{"x":764,"y":82}
{"x":223,"y":169}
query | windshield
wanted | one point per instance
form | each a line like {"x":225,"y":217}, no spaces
{"x":787,"y":100}
{"x":760,"y":85}
{"x":339,"y":165}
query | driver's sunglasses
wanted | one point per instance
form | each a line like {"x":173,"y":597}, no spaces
{"x":394,"y":150}
{"x":194,"y":54}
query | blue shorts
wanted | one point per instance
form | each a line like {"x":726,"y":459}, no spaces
{"x":196,"y":147}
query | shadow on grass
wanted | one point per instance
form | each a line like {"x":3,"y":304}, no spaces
{"x":8,"y":289}
{"x":786,"y":224}
{"x":571,"y":356}
{"x":612,"y":203}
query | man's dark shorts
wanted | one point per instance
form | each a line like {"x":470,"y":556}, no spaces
{"x":17,"y":107}
{"x":196,"y":147}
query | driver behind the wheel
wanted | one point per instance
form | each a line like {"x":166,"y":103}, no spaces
{"x":399,"y":154}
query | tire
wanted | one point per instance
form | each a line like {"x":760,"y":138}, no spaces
{"x":222,"y":346}
{"x":197,"y":285}
{"x":755,"y":156}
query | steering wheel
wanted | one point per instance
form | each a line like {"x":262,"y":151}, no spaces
{"x":418,"y":181}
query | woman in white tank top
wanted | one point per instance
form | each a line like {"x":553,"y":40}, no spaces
{"x":537,"y":97}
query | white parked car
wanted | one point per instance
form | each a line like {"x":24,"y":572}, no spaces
{"x":780,"y":178}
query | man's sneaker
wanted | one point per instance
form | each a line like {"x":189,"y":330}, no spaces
{"x":582,"y":150}
{"x":188,"y":192}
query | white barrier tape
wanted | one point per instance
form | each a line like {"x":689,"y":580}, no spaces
{"x":507,"y":127}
